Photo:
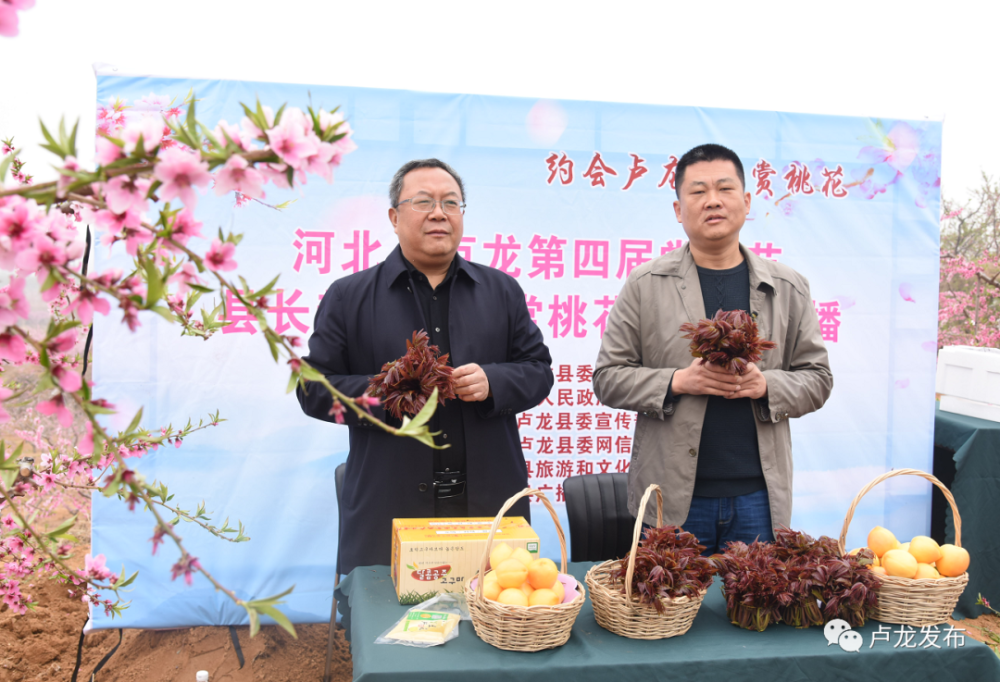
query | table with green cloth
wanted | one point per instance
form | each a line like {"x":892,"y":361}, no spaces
{"x":976,"y":488}
{"x":712,"y":649}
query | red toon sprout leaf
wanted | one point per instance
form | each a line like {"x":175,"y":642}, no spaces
{"x":404,"y":385}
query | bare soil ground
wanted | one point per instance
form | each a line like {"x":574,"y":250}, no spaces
{"x":42,"y":645}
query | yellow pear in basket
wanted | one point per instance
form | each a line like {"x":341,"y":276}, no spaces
{"x":499,"y":554}
{"x":511,"y":574}
{"x":954,"y":561}
{"x":542,"y":573}
{"x":526,"y":588}
{"x":522,"y":555}
{"x":543,"y":597}
{"x":560,"y":591}
{"x":924,"y":549}
{"x":905,"y":547}
{"x":492,"y":589}
{"x":899,"y":563}
{"x":926,"y":572}
{"x":878,"y":569}
{"x":513,"y":597}
{"x":881,"y":540}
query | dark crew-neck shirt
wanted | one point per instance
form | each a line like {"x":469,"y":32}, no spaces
{"x":728,"y":457}
{"x":448,"y":417}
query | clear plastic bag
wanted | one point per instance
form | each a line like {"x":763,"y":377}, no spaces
{"x":429,"y":623}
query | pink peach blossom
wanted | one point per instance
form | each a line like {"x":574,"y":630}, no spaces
{"x":148,"y":128}
{"x":180,"y":172}
{"x":86,"y":444}
{"x":55,"y":406}
{"x":86,"y":303}
{"x":220,"y":256}
{"x":12,"y":348}
{"x":13,"y":302}
{"x":65,"y":181}
{"x":237,"y":175}
{"x":292,"y":139}
{"x":124,"y":193}
{"x":107,"y":151}
{"x":43,"y":255}
{"x":67,"y":379}
{"x":185,"y":226}
{"x":187,"y":275}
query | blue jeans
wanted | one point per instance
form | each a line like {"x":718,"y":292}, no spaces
{"x":717,"y":521}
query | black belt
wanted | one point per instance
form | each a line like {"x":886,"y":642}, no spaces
{"x":448,"y":484}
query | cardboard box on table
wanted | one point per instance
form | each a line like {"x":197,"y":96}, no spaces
{"x":430,"y":556}
{"x":968,"y":379}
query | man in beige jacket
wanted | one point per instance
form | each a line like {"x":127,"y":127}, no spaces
{"x":718,"y":444}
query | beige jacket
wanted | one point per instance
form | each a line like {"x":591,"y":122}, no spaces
{"x":642,"y":346}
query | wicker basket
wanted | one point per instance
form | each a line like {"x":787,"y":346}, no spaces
{"x":522,"y":628}
{"x":624,"y":614}
{"x":907,"y":601}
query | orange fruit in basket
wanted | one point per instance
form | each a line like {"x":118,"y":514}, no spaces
{"x":543,"y":597}
{"x":511,"y":573}
{"x":513,"y":597}
{"x":924,"y":549}
{"x":877,"y":569}
{"x":499,"y":554}
{"x":954,"y":561}
{"x":881,"y":540}
{"x":526,"y":588}
{"x":899,"y":563}
{"x":926,"y":572}
{"x":522,"y":555}
{"x":542,"y":573}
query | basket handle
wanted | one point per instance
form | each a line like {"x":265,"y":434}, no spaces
{"x":902,"y":472}
{"x":496,"y":524}
{"x":638,"y":531}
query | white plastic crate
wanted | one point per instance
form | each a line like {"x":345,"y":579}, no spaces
{"x":968,"y":379}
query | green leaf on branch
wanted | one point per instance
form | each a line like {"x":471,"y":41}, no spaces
{"x":268,"y":288}
{"x":59,"y":532}
{"x":267,"y":607}
{"x":5,"y":164}
{"x":134,"y":423}
{"x":126,"y":582}
{"x":154,"y":291}
{"x":51,"y":145}
{"x":416,"y":428}
{"x":285,"y":204}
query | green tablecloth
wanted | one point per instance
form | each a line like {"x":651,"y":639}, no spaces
{"x":712,"y":649}
{"x":976,"y":489}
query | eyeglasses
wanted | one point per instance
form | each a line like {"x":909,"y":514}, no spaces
{"x":426,"y":205}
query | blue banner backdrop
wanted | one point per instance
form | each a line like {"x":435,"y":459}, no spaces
{"x":568,"y":197}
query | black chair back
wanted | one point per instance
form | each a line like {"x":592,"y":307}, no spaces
{"x":600,"y":526}
{"x":338,"y":481}
{"x":338,"y":484}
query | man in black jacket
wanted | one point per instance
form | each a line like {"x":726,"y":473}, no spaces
{"x":502,"y":367}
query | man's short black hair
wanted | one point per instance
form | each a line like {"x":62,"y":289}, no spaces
{"x":396,"y":186}
{"x":707,"y":152}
